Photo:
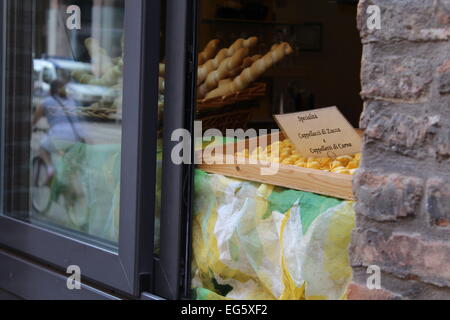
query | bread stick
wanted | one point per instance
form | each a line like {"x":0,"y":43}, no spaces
{"x":213,"y":64}
{"x":227,"y":65}
{"x":241,"y":43}
{"x":225,"y":82}
{"x":208,"y":52}
{"x":252,"y":73}
{"x":245,"y":64}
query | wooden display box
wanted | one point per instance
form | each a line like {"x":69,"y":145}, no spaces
{"x":292,"y":177}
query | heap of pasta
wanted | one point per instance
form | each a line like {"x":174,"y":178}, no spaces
{"x":288,"y":155}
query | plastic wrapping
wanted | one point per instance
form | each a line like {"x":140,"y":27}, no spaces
{"x":258,"y":242}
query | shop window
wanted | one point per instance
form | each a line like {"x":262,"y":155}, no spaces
{"x":63,"y":155}
{"x":258,"y":59}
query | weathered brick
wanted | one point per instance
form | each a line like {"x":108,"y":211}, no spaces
{"x":411,"y":20}
{"x":393,"y":287}
{"x":396,"y":78}
{"x":406,"y":87}
{"x":404,"y":255}
{"x":387,"y":197}
{"x":361,"y":292}
{"x":444,"y":78}
{"x":407,"y":135}
{"x":443,"y":144}
{"x":438,"y":202}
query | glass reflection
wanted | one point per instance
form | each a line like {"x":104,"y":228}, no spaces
{"x":76,"y":110}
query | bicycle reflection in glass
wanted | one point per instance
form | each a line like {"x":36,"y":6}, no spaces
{"x":60,"y":153}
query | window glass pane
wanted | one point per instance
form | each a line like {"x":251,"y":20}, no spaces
{"x":62,"y":115}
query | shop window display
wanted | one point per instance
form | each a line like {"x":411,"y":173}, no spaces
{"x":263,"y":240}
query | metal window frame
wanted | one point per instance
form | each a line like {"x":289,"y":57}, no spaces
{"x":172,"y":268}
{"x":128,"y":271}
{"x":27,"y":280}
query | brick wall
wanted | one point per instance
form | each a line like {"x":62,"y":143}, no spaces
{"x":403,"y":187}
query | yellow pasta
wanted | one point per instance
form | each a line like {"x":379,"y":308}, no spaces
{"x":284,"y":152}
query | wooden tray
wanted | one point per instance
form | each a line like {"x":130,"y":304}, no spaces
{"x":292,"y":177}
{"x":257,"y":90}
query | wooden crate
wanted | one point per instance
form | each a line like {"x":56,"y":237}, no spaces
{"x":292,"y":177}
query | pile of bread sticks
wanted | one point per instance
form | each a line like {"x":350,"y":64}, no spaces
{"x":222,"y":72}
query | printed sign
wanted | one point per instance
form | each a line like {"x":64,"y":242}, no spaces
{"x":320,"y":133}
